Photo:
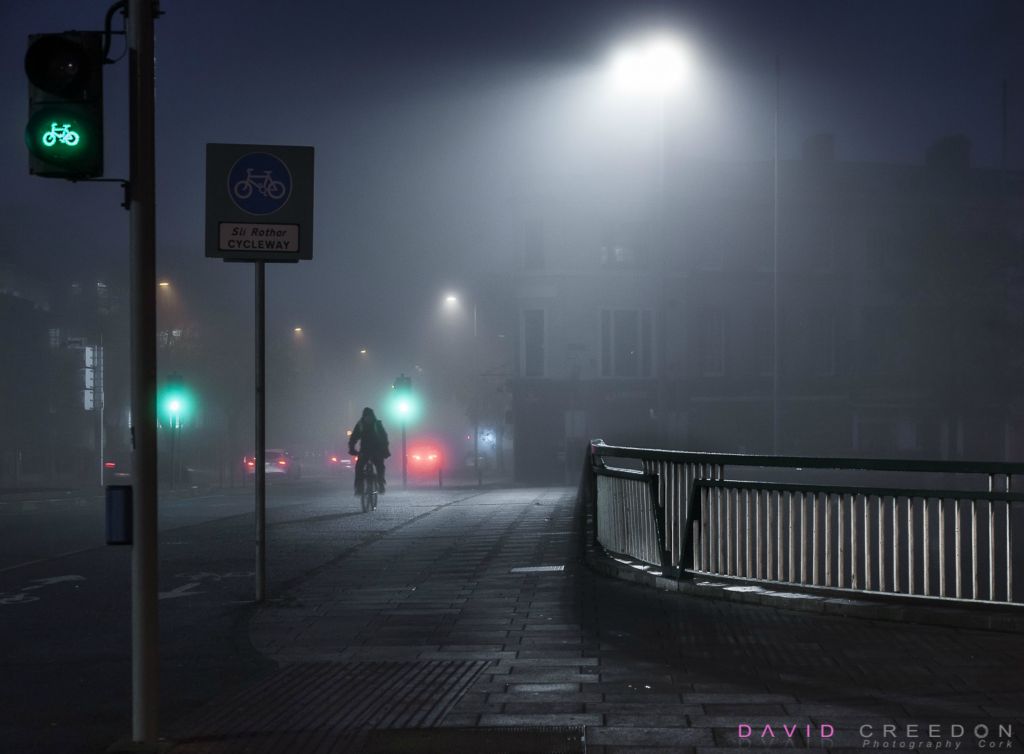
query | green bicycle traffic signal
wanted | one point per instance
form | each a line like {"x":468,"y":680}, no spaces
{"x":64,"y":134}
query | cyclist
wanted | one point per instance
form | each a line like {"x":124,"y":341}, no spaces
{"x":373,"y":447}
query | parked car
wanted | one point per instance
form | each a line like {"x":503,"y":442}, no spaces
{"x":277,"y":463}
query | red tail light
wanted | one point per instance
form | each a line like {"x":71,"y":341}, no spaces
{"x":110,"y":465}
{"x":334,"y":459}
{"x":282,"y":462}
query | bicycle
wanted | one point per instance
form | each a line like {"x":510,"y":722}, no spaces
{"x":263,"y":183}
{"x":371,"y":488}
{"x":63,"y":134}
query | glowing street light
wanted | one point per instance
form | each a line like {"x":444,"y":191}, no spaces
{"x":164,"y":284}
{"x":451,"y":302}
{"x":297,"y":330}
{"x":657,"y":65}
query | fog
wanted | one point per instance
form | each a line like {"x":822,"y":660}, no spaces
{"x":615,"y":257}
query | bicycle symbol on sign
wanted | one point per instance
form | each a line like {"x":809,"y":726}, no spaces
{"x":263,"y":183}
{"x":64,"y":135}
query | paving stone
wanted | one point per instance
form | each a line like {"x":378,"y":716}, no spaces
{"x":502,"y":719}
{"x":541,"y":708}
{"x":542,"y":687}
{"x":581,"y":697}
{"x":665,"y":737}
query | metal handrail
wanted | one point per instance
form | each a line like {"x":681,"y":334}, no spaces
{"x":998,"y":468}
{"x":680,"y":478}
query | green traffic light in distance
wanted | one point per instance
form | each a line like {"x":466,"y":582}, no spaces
{"x":176,"y":404}
{"x":404,"y":407}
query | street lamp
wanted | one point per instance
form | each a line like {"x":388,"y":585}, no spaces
{"x":655,"y":66}
{"x":451,"y":301}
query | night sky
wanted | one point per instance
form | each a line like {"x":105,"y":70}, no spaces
{"x":429,"y":118}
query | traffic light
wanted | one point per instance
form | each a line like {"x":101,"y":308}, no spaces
{"x":404,"y":405}
{"x":175,"y":401}
{"x":64,"y":134}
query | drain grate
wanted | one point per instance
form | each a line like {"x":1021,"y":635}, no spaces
{"x":543,"y":740}
{"x":323,"y":706}
{"x":537,"y":569}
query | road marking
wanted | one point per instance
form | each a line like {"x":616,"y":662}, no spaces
{"x":20,"y":597}
{"x":51,"y":557}
{"x":53,"y":580}
{"x":209,"y":576}
{"x":16,"y":599}
{"x":181,"y":591}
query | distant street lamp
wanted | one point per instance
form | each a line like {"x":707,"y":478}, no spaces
{"x":451,"y":301}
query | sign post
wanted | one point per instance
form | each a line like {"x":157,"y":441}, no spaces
{"x":259,"y":208}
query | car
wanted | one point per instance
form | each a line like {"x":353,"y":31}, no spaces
{"x":117,"y":468}
{"x":340,"y":463}
{"x":277,"y":463}
{"x":424,"y":460}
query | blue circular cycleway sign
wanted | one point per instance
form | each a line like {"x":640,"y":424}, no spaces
{"x":259,"y":183}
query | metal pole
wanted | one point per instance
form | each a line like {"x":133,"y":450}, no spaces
{"x":100,"y":395}
{"x":261,"y":435}
{"x":477,"y":401}
{"x":173,"y":431}
{"x":142,"y":233}
{"x":405,"y":459}
{"x":775,"y":270}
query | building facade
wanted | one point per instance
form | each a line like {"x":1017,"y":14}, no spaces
{"x":891,"y":291}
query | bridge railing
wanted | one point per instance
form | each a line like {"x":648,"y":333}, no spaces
{"x":771,"y":519}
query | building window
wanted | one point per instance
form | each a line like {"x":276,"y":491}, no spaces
{"x":533,"y":343}
{"x":624,"y":246}
{"x":712,"y":347}
{"x":627,"y":343}
{"x":620,"y":256}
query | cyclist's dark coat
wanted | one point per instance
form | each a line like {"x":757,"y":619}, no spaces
{"x":372,"y":438}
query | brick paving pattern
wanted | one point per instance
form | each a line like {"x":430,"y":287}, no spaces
{"x":638,"y":669}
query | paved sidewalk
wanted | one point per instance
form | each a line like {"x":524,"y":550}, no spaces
{"x":429,"y":627}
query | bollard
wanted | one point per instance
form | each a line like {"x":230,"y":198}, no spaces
{"x":119,"y":514}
